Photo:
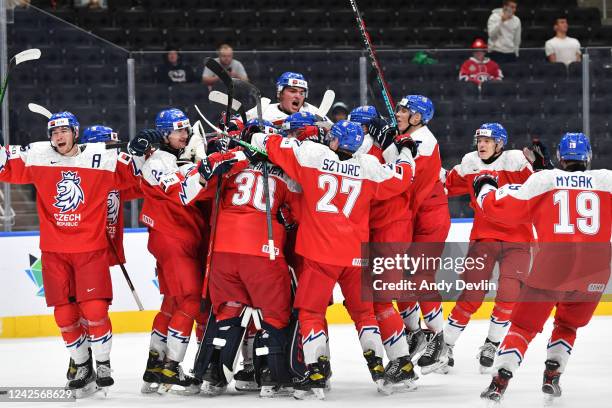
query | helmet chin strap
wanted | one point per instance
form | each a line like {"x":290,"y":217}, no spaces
{"x":494,"y":156}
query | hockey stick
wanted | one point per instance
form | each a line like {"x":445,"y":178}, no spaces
{"x":23,"y":56}
{"x":225,"y":77}
{"x":219,"y":131}
{"x":221,"y":98}
{"x":125,"y":273}
{"x":367,"y":42}
{"x":266,"y":187}
{"x":327,"y":102}
{"x":41,"y":110}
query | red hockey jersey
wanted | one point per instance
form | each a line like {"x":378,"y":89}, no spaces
{"x":71,"y":192}
{"x":512,"y":168}
{"x":160,"y":172}
{"x":572,"y":214}
{"x":242,"y":226}
{"x":478,"y":72}
{"x":427,"y":188}
{"x":335,"y":205}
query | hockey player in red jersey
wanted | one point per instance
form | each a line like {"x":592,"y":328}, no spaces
{"x":495,"y":242}
{"x":570,"y":208}
{"x":116,"y":198}
{"x":391,"y":222}
{"x":72,"y":183}
{"x":176,"y":240}
{"x":244,"y":281}
{"x":479,"y":68}
{"x":430,"y":223}
{"x":337,"y":191}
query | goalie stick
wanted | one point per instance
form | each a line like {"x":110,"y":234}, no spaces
{"x":367,"y":42}
{"x":255,"y":92}
{"x":328,"y":100}
{"x":221,"y":98}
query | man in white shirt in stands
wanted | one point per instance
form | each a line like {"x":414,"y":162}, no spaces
{"x":562,"y":48}
{"x":504,"y":29}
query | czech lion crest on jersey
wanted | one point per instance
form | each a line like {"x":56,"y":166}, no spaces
{"x":69,"y":192}
{"x":113,"y":204}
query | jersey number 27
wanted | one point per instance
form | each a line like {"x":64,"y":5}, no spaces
{"x":329,"y":184}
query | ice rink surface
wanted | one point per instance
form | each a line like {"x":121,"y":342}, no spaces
{"x":587,"y":382}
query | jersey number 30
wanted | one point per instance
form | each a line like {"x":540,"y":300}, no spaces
{"x":587,"y":207}
{"x":245,"y":182}
{"x":329,"y":184}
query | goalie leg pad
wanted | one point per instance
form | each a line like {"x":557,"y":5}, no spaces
{"x":271,"y":345}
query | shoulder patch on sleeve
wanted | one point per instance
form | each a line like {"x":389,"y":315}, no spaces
{"x":124,"y":158}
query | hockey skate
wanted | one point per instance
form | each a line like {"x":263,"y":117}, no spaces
{"x":151,"y":374}
{"x":213,"y":382}
{"x":550,"y":383}
{"x":270,"y":389}
{"x":245,"y":378}
{"x":72,"y":368}
{"x":377,"y":371}
{"x":400,"y":375}
{"x":451,"y":361}
{"x":435,"y":356}
{"x":84,"y":382}
{"x":172,"y":379}
{"x":313,"y":384}
{"x":496,"y":389}
{"x":486,"y":355}
{"x":417,"y":342}
{"x":103,"y":376}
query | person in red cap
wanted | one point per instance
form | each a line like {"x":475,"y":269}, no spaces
{"x":478,"y":68}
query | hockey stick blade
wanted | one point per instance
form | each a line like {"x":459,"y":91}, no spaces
{"x":41,"y":110}
{"x":221,"y":98}
{"x":27,"y":55}
{"x":327,"y":102}
{"x":240,"y":142}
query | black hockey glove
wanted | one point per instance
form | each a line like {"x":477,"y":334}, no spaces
{"x":382,"y":133}
{"x":406,"y":141}
{"x":216,"y":164}
{"x":253,"y":156}
{"x":538,"y":156}
{"x":144,"y":140}
{"x":485,"y":177}
{"x":285,"y":218}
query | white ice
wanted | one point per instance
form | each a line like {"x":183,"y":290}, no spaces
{"x":587,"y":382}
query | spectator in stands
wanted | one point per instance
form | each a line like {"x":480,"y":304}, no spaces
{"x":504,"y":29}
{"x":339,"y":111}
{"x":478,"y":68}
{"x":226,"y":59}
{"x":562,"y":48}
{"x":173,"y":70}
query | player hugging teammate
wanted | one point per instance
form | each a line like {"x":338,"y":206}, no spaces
{"x":290,"y":194}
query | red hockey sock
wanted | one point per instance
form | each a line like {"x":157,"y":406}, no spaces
{"x":391,"y":330}
{"x":513,"y":348}
{"x":409,"y":311}
{"x":432,"y":315}
{"x":68,"y":320}
{"x":314,"y":337}
{"x":99,"y":327}
{"x":500,"y":320}
{"x":561,"y":344}
{"x":159,"y":330}
{"x":180,"y":326}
